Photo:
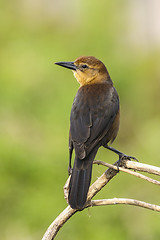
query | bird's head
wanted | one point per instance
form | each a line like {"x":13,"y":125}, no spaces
{"x":87,"y":70}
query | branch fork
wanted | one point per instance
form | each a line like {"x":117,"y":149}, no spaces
{"x":125,"y":166}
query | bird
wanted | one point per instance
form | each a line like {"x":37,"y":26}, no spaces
{"x":94,"y":122}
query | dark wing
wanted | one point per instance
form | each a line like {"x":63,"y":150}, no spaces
{"x":93,"y":112}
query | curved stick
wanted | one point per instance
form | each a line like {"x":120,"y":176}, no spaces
{"x":97,"y":186}
{"x":127,"y":201}
{"x":129,"y":171}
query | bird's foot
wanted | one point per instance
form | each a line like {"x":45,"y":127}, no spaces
{"x":124,"y":157}
{"x":121,"y":155}
{"x":70,"y":171}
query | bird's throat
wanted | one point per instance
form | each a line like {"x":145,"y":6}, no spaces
{"x":83,"y":80}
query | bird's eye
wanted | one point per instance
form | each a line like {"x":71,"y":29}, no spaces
{"x":84,"y":66}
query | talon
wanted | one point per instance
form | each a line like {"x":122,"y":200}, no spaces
{"x":126,"y":157}
{"x":134,"y":158}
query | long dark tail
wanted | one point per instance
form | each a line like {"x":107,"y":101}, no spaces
{"x":80,"y":180}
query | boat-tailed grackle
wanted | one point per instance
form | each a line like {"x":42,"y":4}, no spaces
{"x":94,"y":122}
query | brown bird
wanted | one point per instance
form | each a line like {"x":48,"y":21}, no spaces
{"x":94,"y":122}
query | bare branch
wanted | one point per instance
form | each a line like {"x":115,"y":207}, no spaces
{"x":58,"y":223}
{"x":127,"y":201}
{"x":68,"y":212}
{"x":142,"y":167}
{"x":101,"y":182}
{"x":97,"y":186}
{"x":129,"y":171}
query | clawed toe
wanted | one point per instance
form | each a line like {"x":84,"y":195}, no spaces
{"x":124,"y":157}
{"x":69,"y":171}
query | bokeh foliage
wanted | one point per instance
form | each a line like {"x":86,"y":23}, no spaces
{"x":35,"y":102}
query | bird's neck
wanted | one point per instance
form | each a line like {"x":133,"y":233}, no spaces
{"x":96,"y":79}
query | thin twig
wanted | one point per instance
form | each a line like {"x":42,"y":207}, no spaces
{"x":58,"y":223}
{"x":142,"y":167}
{"x":68,"y":212}
{"x":139,"y":175}
{"x":127,"y":201}
{"x":95,"y":188}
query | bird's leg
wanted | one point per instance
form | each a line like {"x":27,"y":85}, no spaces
{"x":121,"y":155}
{"x":70,"y":158}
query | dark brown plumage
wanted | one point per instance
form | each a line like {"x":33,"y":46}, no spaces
{"x":94,"y":122}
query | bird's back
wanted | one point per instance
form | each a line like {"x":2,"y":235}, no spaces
{"x":93,"y":112}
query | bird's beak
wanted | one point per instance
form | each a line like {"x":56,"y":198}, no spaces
{"x":69,"y":65}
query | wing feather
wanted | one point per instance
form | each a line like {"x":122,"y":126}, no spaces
{"x":93,"y":112}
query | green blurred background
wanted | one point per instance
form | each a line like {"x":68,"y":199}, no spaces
{"x":35,"y":102}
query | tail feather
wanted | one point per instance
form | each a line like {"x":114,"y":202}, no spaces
{"x":80,"y":181}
